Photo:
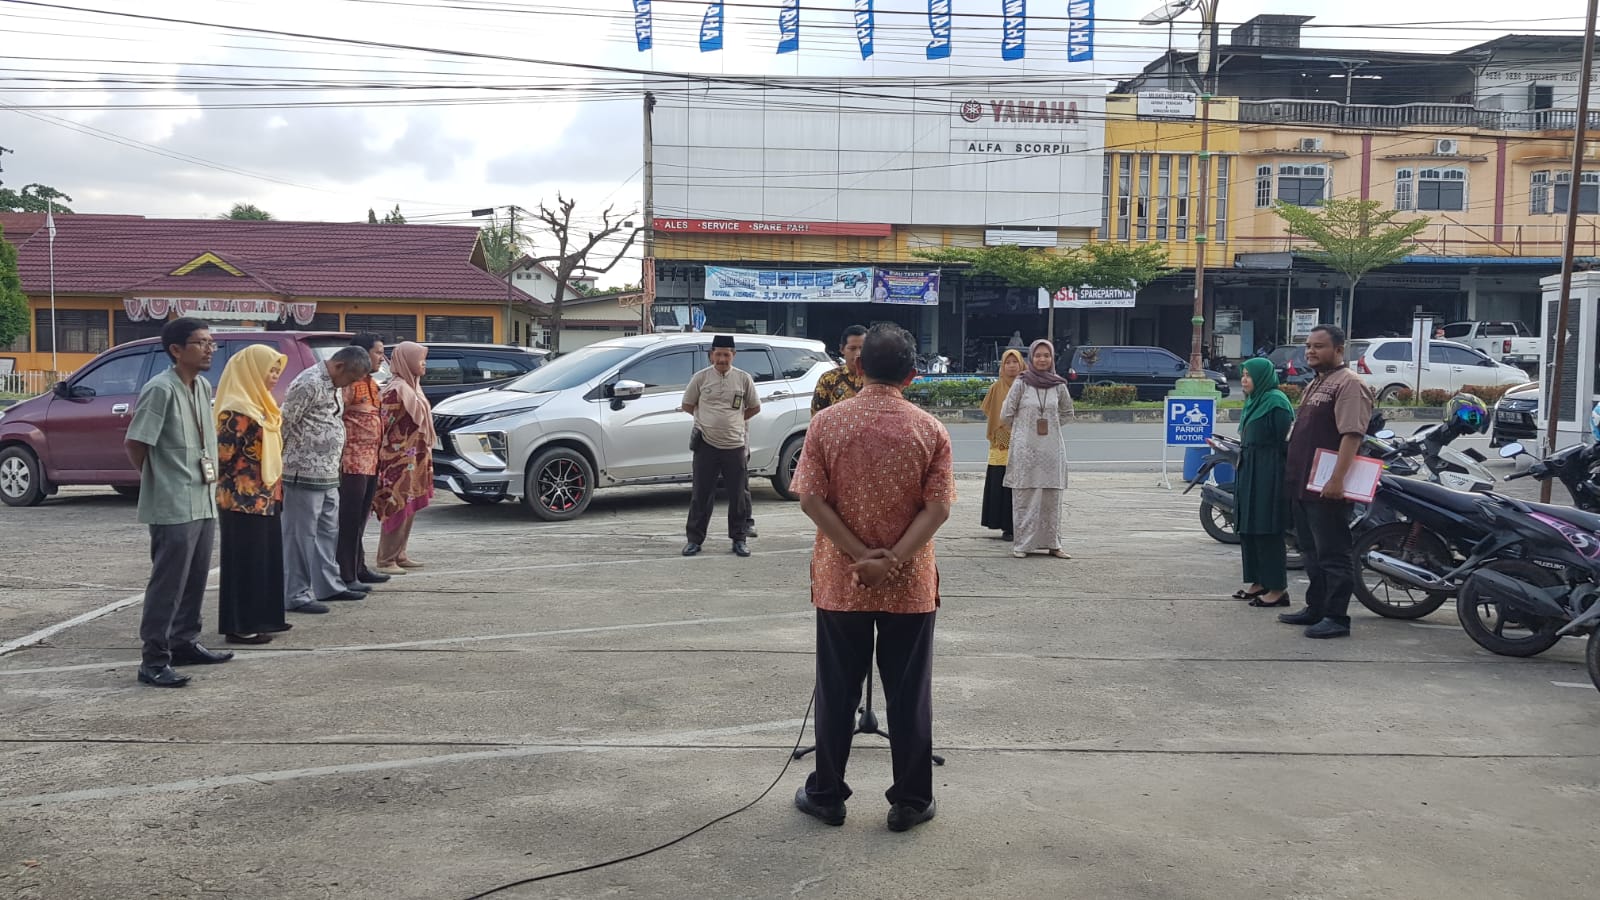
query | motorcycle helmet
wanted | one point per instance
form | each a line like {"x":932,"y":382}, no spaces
{"x":1467,"y":413}
{"x":1594,"y":423}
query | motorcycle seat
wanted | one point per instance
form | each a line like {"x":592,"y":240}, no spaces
{"x":1575,"y":517}
{"x":1455,"y":501}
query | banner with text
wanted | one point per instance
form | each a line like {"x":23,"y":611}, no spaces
{"x":1089,"y":298}
{"x":864,"y":25}
{"x":642,"y":23}
{"x":711,"y":28}
{"x":1014,"y":33}
{"x":789,"y":26}
{"x":909,"y":288}
{"x":939,"y":29}
{"x":789,"y":285}
{"x":1080,"y":30}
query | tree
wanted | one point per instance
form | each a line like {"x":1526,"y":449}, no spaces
{"x":1094,"y":265}
{"x":248,"y":212}
{"x":502,"y":246}
{"x":572,"y":251}
{"x":393,"y":216}
{"x":1352,"y":237}
{"x":13,"y":302}
{"x":34,"y":198}
{"x":372,"y":217}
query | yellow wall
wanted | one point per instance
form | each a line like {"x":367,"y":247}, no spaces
{"x":69,"y":362}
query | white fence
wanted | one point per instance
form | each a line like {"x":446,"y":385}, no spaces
{"x":28,"y":384}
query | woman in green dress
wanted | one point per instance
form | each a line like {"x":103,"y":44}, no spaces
{"x":1259,"y":488}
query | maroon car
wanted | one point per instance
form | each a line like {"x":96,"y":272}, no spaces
{"x":74,"y":434}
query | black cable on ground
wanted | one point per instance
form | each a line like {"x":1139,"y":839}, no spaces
{"x":789,"y":760}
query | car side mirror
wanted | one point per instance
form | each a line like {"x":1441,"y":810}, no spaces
{"x":1385,"y":435}
{"x":1512,"y":450}
{"x":627,"y":390}
{"x":60,"y":390}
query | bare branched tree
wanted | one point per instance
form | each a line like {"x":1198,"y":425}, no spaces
{"x":572,"y":249}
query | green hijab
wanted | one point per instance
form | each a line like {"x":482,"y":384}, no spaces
{"x":1266,"y":396}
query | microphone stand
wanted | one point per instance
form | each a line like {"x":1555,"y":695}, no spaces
{"x":866,"y":724}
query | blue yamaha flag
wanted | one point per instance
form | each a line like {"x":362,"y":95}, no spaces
{"x":711,"y":28}
{"x":1014,"y":39}
{"x":864,"y":23}
{"x":789,"y":26}
{"x":1080,"y":31}
{"x":642,"y":25}
{"x":939,"y":28}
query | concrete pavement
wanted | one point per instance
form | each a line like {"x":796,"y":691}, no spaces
{"x":546,"y":696}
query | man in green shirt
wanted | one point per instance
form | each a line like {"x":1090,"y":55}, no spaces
{"x":172,"y":441}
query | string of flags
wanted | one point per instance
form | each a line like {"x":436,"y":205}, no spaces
{"x":1013,"y":39}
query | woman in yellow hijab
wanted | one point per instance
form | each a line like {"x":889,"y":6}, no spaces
{"x":996,"y":496}
{"x":249,"y":496}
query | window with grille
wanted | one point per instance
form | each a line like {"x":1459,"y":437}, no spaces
{"x":1124,"y":191}
{"x":1402,"y":189}
{"x":393,"y":329}
{"x":1144,"y":196}
{"x":1263,"y":187}
{"x":1539,"y":194}
{"x":460,"y":329}
{"x":79,"y":330}
{"x":1442,"y":189}
{"x":1302,"y":185}
{"x":1105,"y":199}
{"x":319,"y":322}
{"x":1163,"y":195}
{"x":1219,"y":229}
{"x":1183,"y":198}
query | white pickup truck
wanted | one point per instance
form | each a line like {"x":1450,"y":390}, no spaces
{"x":1508,"y":342}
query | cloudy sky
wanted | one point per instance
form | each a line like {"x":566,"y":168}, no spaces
{"x":493,"y":102}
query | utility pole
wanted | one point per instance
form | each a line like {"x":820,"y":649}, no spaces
{"x":513,"y":267}
{"x":1574,"y":192}
{"x":647,"y":270}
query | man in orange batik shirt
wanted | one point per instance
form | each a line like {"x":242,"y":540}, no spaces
{"x":876,"y":477}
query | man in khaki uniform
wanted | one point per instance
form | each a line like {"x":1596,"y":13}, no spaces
{"x":721,"y":399}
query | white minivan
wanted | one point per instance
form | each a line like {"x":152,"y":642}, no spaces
{"x":610,"y":414}
{"x":1386,"y":366}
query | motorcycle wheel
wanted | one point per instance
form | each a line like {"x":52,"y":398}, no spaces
{"x":1391,"y":599}
{"x":1592,"y":658}
{"x":1218,"y":523}
{"x":1499,"y":629}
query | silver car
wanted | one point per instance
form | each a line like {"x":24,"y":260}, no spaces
{"x":610,"y":414}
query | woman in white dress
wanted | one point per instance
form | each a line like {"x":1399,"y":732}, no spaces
{"x":1036,"y":472}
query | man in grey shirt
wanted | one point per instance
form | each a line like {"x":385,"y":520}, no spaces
{"x":172,"y":441}
{"x":721,"y":399}
{"x":313,"y":441}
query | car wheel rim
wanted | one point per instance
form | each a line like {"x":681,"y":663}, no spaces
{"x":562,"y":486}
{"x":14,"y":477}
{"x":793,"y":466}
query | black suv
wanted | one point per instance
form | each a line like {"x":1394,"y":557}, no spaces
{"x":458,"y":368}
{"x":1153,"y":371}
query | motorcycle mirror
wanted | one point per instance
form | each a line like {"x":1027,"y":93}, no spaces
{"x":1384,"y":435}
{"x":1512,"y":450}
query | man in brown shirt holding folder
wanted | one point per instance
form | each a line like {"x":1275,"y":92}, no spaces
{"x":1333,"y":416}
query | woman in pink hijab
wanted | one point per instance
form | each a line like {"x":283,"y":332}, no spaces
{"x":405,"y":458}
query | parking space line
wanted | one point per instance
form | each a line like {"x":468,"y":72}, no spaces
{"x":90,"y":616}
{"x":417,"y":573}
{"x":1573,"y":684}
{"x":282,"y":775}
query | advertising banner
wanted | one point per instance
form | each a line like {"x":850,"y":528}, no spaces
{"x":1014,"y":33}
{"x":1080,"y":31}
{"x":711,"y":28}
{"x":939,"y":29}
{"x":789,"y":26}
{"x":864,"y":25}
{"x":789,"y":286}
{"x":642,"y":24}
{"x":911,"y":288}
{"x":1090,"y":298}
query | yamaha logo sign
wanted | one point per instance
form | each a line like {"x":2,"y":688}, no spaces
{"x":1020,"y":111}
{"x":972,"y":110}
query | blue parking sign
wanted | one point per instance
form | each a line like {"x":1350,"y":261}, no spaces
{"x":1190,"y":420}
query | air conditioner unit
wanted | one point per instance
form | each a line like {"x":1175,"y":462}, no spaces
{"x":1446,"y":147}
{"x":1310,"y":145}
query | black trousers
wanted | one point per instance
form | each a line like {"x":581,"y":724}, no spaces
{"x":250,"y":593}
{"x":355,"y":507}
{"x":1323,"y":527}
{"x":180,"y":560}
{"x":905,"y":664}
{"x":709,"y":463}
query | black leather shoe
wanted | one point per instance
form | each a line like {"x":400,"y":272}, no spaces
{"x":162,"y":677}
{"x":358,"y":588}
{"x":828,"y":815}
{"x":740,"y":548}
{"x":342,"y":595}
{"x":310,"y":606}
{"x":196,"y":655}
{"x":1303,"y":617}
{"x":372,"y":577}
{"x":904,"y":817}
{"x":1328,"y":628}
{"x":691,"y":548}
